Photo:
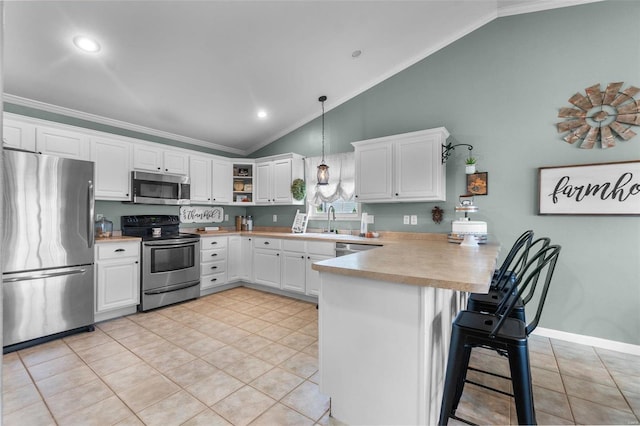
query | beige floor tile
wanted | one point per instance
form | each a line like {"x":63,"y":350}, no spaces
{"x":232,"y":335}
{"x":112,"y":364}
{"x":544,"y":361}
{"x":294,"y":323}
{"x":282,"y":416}
{"x":129,"y":377}
{"x":483,"y":407}
{"x":273,"y":316}
{"x":15,"y":378}
{"x":546,"y":419}
{"x":243,"y":406}
{"x":310,"y":313}
{"x":126,"y":331}
{"x":106,"y":412}
{"x":540,"y":344}
{"x":66,"y":380}
{"x":292,"y":308}
{"x":275,"y":353}
{"x":277,"y":382}
{"x":547,"y":379}
{"x":252,"y":343}
{"x":81,"y":341}
{"x":11,"y":362}
{"x":315,"y":378}
{"x":109,"y":349}
{"x":312,"y":349}
{"x":593,"y":371}
{"x":19,"y":398}
{"x":207,"y":417}
{"x":308,"y":400}
{"x":132,"y":420}
{"x":248,"y":368}
{"x":301,"y":364}
{"x":225,"y":356}
{"x":634,"y":402}
{"x":626,"y":383}
{"x":148,"y":392}
{"x":67,"y":402}
{"x":170,"y":359}
{"x":34,"y":414}
{"x":274,"y":332}
{"x":173,"y":410}
{"x":327,"y":420}
{"x":55,"y":366}
{"x":256,"y":311}
{"x":215,"y":387}
{"x":587,"y":412}
{"x":595,"y":392}
{"x":297,"y":340}
{"x":191,"y":372}
{"x":310,"y":329}
{"x":204,"y":346}
{"x":140,"y":339}
{"x":44,"y":352}
{"x":114,"y":323}
{"x":552,"y":402}
{"x":492,"y":381}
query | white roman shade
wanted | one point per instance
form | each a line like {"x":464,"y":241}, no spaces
{"x":342,"y":173}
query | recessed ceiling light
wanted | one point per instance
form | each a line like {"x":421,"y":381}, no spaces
{"x":262,"y":114}
{"x":356,"y":53}
{"x":86,"y":44}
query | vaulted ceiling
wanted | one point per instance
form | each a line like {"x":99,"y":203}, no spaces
{"x":200,"y":71}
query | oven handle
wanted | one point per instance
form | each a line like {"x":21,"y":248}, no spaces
{"x":174,"y":287}
{"x":171,"y":245}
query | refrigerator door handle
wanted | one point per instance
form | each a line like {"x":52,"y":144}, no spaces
{"x":43,"y":276}
{"x":90,"y":227}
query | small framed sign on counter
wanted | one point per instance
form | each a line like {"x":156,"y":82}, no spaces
{"x":590,"y":189}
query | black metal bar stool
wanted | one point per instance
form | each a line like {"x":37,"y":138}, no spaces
{"x":509,"y":269}
{"x":491,"y":301}
{"x":502,"y":333}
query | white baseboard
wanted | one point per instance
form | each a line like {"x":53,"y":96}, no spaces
{"x":588,"y":340}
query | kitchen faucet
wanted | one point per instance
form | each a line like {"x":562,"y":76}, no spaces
{"x":331,"y":210}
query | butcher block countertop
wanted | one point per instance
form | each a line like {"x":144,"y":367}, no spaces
{"x":407,"y":258}
{"x":118,"y":239}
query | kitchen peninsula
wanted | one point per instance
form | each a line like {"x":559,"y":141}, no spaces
{"x":385,"y":322}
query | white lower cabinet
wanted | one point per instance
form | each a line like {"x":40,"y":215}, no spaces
{"x":316,"y":251}
{"x":213,"y":262}
{"x":266,"y":261}
{"x":294,"y":265}
{"x":117,"y":279}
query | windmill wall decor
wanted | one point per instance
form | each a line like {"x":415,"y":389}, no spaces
{"x":601,"y":116}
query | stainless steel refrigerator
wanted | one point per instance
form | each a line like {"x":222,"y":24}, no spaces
{"x":47,"y":218}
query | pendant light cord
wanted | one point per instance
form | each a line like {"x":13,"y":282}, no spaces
{"x":322,"y":99}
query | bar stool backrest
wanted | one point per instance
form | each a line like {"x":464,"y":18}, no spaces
{"x":540,"y":265}
{"x":514,"y":262}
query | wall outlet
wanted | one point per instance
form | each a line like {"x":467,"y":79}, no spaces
{"x":226,"y":218}
{"x":405,"y":219}
{"x":275,"y":217}
{"x":370,"y":219}
{"x":99,"y":216}
{"x":414,"y":219}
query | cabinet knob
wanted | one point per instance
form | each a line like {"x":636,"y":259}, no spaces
{"x":308,"y":257}
{"x":397,"y":194}
{"x":126,"y":195}
{"x":301,"y":257}
{"x":136,"y":262}
{"x":277,"y":254}
{"x":159,"y":168}
{"x":356,"y":196}
{"x":208,"y":199}
{"x":166,"y":170}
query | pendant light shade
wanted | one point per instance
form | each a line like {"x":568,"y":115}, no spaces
{"x":323,"y":169}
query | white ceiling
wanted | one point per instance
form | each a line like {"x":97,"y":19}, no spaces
{"x":198,"y":71}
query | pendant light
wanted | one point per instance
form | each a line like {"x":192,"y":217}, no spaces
{"x":323,"y":169}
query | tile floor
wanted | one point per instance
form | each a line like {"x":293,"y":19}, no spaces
{"x":247,"y":357}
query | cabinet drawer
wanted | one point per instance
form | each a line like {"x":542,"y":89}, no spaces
{"x":211,"y":243}
{"x":212,"y":280}
{"x":213,"y":267}
{"x":267,"y":243}
{"x":293,"y":245}
{"x":212,"y":255}
{"x":117,"y":250}
{"x":321,"y":247}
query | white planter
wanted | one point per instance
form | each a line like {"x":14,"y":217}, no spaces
{"x":470,"y":169}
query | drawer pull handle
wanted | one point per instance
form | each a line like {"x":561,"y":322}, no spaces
{"x":214,"y":279}
{"x":118,"y":250}
{"x":214,"y":242}
{"x":214,"y":267}
{"x":266,"y":243}
{"x":214,"y":254}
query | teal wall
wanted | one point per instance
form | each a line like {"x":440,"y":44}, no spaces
{"x":500,"y":89}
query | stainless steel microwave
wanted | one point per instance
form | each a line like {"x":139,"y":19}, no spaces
{"x":155,"y":188}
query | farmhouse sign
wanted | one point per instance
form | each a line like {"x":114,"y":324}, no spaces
{"x":192,"y":214}
{"x":590,"y":189}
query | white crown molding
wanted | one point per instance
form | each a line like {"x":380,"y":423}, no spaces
{"x":588,"y":340}
{"x":329,"y":105}
{"x":538,"y":5}
{"x":115,"y":123}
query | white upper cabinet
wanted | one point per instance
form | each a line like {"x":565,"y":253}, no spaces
{"x":221,"y":183}
{"x":406,"y":167}
{"x":155,"y":159}
{"x":62,"y":143}
{"x":200,"y":174}
{"x":274,"y":177}
{"x":18,"y":134}
{"x":113,"y":168}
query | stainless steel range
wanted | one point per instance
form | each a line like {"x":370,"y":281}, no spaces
{"x":170,"y":265}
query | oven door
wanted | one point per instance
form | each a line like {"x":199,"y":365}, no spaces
{"x":169,"y":265}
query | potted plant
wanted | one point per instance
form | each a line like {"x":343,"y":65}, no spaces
{"x":470,"y":167}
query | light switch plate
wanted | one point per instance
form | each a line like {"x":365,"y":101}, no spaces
{"x":226,"y":218}
{"x":370,"y":219}
{"x":275,"y":217}
{"x":414,"y":219}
